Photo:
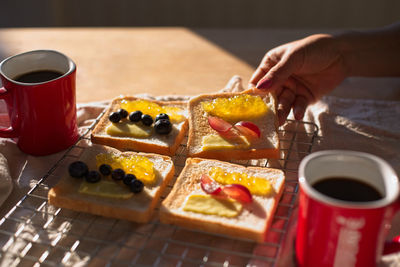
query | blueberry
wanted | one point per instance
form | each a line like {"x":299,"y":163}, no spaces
{"x":135,"y":116}
{"x":114,"y":117}
{"x":123,"y":113}
{"x":129,"y":178}
{"x":147,"y":120}
{"x":137,"y":186}
{"x":78,"y":169}
{"x":163,"y":126}
{"x":93,"y":177}
{"x":105,"y":169}
{"x":118,"y":174}
{"x":162,"y":116}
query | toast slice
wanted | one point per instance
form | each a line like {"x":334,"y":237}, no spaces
{"x":251,"y":223}
{"x":265,"y":146}
{"x":155,"y":143}
{"x":138,"y":208}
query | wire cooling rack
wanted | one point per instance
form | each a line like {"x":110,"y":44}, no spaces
{"x":35,"y":233}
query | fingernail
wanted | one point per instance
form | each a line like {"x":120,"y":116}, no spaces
{"x":264,"y":84}
{"x":298,"y":113}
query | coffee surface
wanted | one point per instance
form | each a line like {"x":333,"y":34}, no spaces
{"x":38,"y":76}
{"x":347,"y":189}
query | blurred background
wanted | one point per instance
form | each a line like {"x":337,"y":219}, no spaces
{"x":205,"y":13}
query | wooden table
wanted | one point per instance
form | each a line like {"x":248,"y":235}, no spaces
{"x":165,"y":60}
{"x":113,"y":61}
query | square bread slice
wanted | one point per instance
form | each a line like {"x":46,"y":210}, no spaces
{"x":251,"y":223}
{"x":138,"y":208}
{"x":155,"y":143}
{"x":266,"y":146}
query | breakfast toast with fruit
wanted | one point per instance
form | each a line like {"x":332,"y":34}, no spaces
{"x":229,"y":126}
{"x":107,"y":182}
{"x":132,"y":123}
{"x":224,"y":198}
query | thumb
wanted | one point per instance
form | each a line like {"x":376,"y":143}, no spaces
{"x":278,"y":74}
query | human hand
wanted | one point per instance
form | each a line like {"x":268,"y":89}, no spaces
{"x":300,"y":73}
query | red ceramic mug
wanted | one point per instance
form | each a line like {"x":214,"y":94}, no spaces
{"x":39,"y":91}
{"x":347,"y":200}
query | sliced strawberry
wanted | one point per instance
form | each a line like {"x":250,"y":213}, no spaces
{"x":246,"y":132}
{"x":235,"y":191}
{"x":238,"y":192}
{"x":218,"y":124}
{"x":209,"y":185}
{"x":248,"y":128}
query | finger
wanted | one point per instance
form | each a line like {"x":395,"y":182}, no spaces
{"x":303,"y":90}
{"x":266,"y":64}
{"x":304,"y":97}
{"x":257,"y":75}
{"x":289,"y":84}
{"x":285,"y":102}
{"x":281,"y":116}
{"x":280,"y":72}
{"x":299,"y":107}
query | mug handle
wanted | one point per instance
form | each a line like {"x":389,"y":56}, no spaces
{"x":6,"y":132}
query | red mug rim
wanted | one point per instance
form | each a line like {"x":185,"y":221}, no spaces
{"x":392,"y":192}
{"x":71,"y":65}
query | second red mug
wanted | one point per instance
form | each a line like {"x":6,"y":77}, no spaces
{"x":39,"y":91}
{"x":347,"y":200}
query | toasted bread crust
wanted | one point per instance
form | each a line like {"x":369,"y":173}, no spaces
{"x":139,"y":208}
{"x":267,"y":147}
{"x":252,"y":223}
{"x":166,"y":144}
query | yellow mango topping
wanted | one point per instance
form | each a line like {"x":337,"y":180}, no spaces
{"x":256,"y":185}
{"x":209,"y":205}
{"x":140,"y":166}
{"x":236,"y":108}
{"x":153,"y":109}
{"x":129,"y":129}
{"x":216,"y":142}
{"x":105,"y":188}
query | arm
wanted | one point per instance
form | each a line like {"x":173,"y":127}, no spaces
{"x":301,"y":72}
{"x":372,"y":53}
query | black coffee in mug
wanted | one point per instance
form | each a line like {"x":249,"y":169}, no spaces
{"x":347,"y":189}
{"x":38,"y":76}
